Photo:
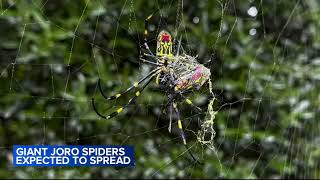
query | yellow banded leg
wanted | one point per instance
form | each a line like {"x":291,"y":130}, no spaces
{"x":135,"y":85}
{"x":189,"y":102}
{"x":146,"y":24}
{"x":183,"y":137}
{"x":146,"y":33}
{"x":137,"y":93}
{"x":170,"y":117}
{"x":119,"y":110}
{"x":182,"y":133}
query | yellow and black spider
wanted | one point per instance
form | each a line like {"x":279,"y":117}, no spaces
{"x":177,"y":73}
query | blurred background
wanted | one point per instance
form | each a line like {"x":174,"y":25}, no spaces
{"x":265,"y":69}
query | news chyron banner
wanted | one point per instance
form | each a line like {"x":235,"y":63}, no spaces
{"x":43,"y":155}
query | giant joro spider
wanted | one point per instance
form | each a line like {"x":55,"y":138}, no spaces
{"x":177,"y":73}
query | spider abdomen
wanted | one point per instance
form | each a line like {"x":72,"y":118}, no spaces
{"x":189,"y":73}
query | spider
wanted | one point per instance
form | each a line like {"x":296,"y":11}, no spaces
{"x":177,"y":73}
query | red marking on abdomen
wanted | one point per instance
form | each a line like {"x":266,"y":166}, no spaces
{"x":197,"y":74}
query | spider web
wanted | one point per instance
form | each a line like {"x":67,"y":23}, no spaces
{"x":50,"y":68}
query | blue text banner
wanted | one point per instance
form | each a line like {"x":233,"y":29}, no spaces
{"x":50,"y":155}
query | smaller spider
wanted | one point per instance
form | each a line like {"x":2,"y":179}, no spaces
{"x":177,"y":73}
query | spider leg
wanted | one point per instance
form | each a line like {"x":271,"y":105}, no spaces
{"x":146,"y":33}
{"x":148,"y":48}
{"x":152,"y":57}
{"x":170,"y":117}
{"x":135,"y":85}
{"x":189,"y":102}
{"x":180,"y":124}
{"x":119,"y":110}
{"x":179,"y":45}
{"x":146,"y":25}
{"x":182,"y":133}
{"x":150,"y":62}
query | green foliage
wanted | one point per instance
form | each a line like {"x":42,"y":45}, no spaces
{"x":267,"y":85}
